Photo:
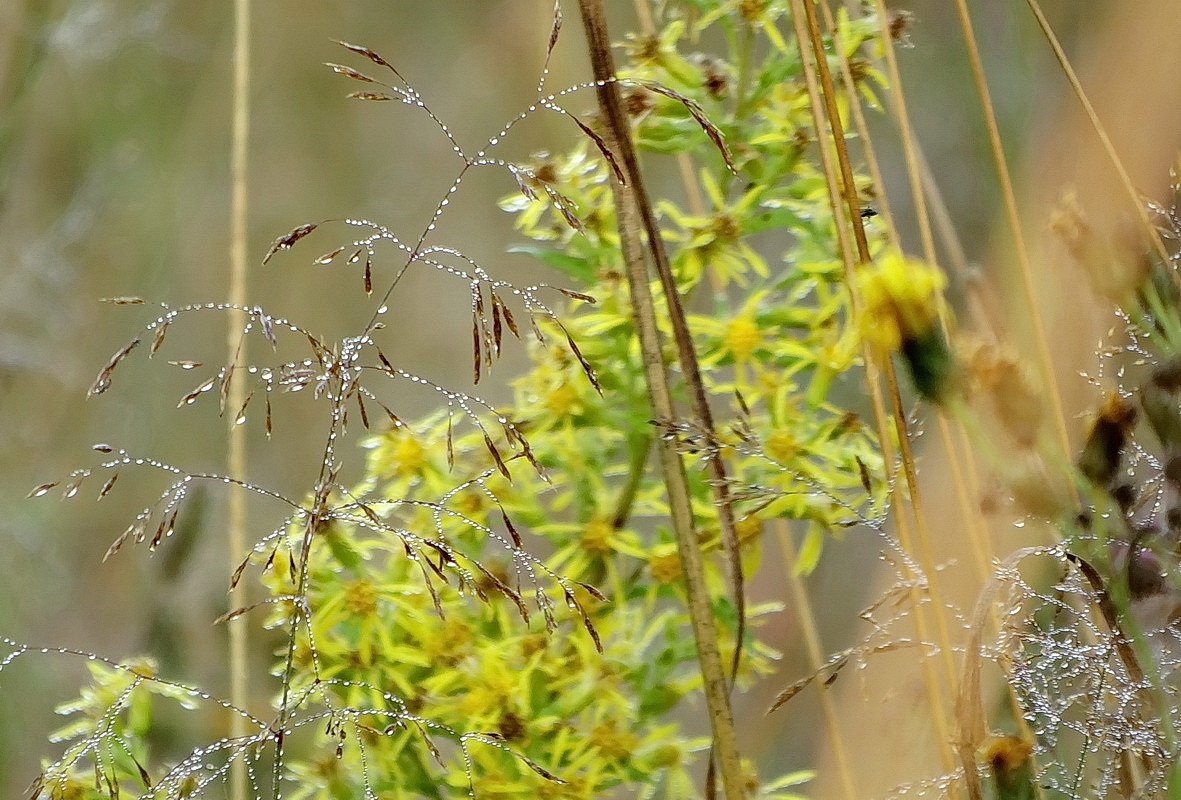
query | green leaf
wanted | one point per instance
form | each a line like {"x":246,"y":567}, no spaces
{"x":573,"y":266}
{"x":342,"y":549}
{"x":809,"y":555}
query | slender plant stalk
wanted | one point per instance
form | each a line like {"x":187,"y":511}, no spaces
{"x":978,"y":535}
{"x":686,"y":352}
{"x":236,"y":395}
{"x":1041,"y":342}
{"x":978,"y":538}
{"x":901,"y":116}
{"x":956,"y":446}
{"x":644,"y":14}
{"x":881,"y":200}
{"x":1153,"y":234}
{"x":630,"y":203}
{"x":833,"y":176}
{"x":964,"y":481}
{"x":853,"y":204}
{"x":815,"y":652}
{"x":637,"y":465}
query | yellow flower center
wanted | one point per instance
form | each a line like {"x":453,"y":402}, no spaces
{"x":742,"y":337}
{"x":596,"y":536}
{"x":665,"y":566}
{"x":561,"y":399}
{"x":360,"y":598}
{"x":782,"y":446}
{"x":409,"y":456}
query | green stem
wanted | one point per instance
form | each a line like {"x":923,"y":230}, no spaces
{"x":641,"y":446}
{"x":743,"y":87}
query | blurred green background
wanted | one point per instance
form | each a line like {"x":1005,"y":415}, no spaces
{"x":114,"y":139}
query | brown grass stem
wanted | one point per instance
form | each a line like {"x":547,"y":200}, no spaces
{"x":686,"y":355}
{"x":1117,"y":163}
{"x":881,"y":200}
{"x":634,"y":213}
{"x":853,"y":207}
{"x":955,"y":445}
{"x":1013,"y":219}
{"x":901,"y":116}
{"x":236,"y":396}
{"x":981,"y":549}
{"x":823,"y":110}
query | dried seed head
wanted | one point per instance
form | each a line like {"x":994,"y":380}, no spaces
{"x":898,"y":24}
{"x":1003,"y":382}
{"x":859,"y":69}
{"x":751,"y":10}
{"x":1006,"y":755}
{"x":1158,"y":399}
{"x":638,"y":101}
{"x":1100,"y":458}
{"x":1113,"y":261}
{"x":646,"y":49}
{"x":715,"y":73}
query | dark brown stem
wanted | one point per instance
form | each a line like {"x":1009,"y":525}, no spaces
{"x":604,"y":70}
{"x":633,"y":210}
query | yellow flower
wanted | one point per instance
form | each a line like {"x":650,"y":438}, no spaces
{"x":452,"y":643}
{"x":900,"y":297}
{"x":612,"y":742}
{"x":665,"y":564}
{"x":561,"y":400}
{"x":403,"y":455}
{"x":360,"y":598}
{"x":596,"y":536}
{"x":748,"y":528}
{"x":743,"y":337}
{"x":490,"y":691}
{"x":782,"y":445}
